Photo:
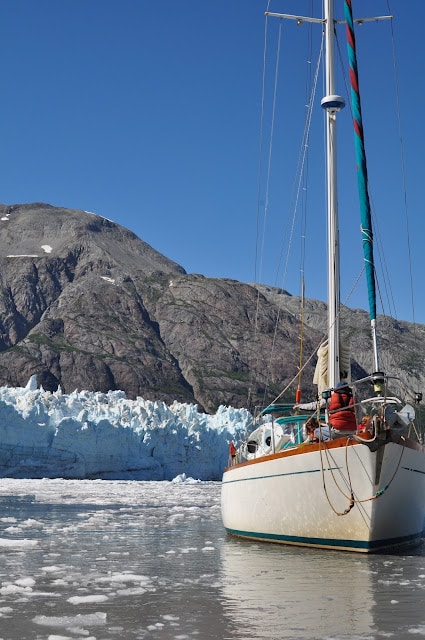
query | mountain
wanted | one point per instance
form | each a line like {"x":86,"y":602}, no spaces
{"x":86,"y":304}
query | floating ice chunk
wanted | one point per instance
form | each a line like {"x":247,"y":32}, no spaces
{"x":124,"y":577}
{"x":182,"y":478}
{"x":87,"y":599}
{"x":85,"y":620}
{"x":154,"y":627}
{"x":131,"y":591}
{"x":420,"y":631}
{"x":9,"y":589}
{"x":25,"y":582}
{"x":16,"y":543}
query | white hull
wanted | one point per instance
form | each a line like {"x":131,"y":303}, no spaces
{"x":303,"y":496}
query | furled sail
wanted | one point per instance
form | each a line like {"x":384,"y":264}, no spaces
{"x":366,"y":219}
{"x":321,"y":372}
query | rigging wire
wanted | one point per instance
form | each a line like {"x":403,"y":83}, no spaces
{"x":270,"y":150}
{"x":300,"y":182}
{"x":274,"y":101}
{"x":304,"y":222}
{"x":259,"y":186}
{"x":260,"y":155}
{"x":416,"y":337}
{"x":403,"y":171}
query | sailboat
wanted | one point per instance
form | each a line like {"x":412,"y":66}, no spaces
{"x":336,"y":486}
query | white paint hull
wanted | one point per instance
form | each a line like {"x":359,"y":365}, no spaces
{"x":303,"y":497}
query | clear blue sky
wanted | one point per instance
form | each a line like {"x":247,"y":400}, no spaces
{"x":148,"y":113}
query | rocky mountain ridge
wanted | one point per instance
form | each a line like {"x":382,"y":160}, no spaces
{"x":86,"y":304}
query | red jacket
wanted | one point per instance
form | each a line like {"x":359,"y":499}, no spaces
{"x":344,"y":420}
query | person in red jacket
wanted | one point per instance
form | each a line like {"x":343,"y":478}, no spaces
{"x":341,"y":408}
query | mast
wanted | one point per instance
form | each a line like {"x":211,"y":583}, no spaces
{"x":332,"y":103}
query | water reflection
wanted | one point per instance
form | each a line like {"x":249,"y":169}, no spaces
{"x":277,"y":592}
{"x":282,"y":592}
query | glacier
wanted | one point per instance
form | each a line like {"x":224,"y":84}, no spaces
{"x":85,"y":435}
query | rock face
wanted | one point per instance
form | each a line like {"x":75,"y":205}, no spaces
{"x":85,"y":304}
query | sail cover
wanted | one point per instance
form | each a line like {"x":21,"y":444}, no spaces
{"x":365,"y":213}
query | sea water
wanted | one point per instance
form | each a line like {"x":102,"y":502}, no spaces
{"x":136,"y":560}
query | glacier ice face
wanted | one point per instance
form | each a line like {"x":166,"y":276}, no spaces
{"x":105,"y":435}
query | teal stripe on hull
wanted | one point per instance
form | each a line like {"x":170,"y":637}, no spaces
{"x":280,"y":475}
{"x":354,"y":545}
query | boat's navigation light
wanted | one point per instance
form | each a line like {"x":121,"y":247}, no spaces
{"x":378,"y":381}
